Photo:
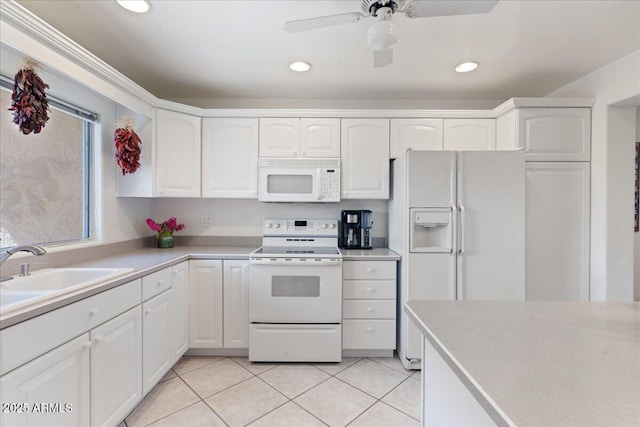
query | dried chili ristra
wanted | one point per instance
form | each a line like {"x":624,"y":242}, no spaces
{"x":127,"y":149}
{"x":29,"y":101}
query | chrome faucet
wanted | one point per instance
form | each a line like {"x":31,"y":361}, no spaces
{"x":36,"y":250}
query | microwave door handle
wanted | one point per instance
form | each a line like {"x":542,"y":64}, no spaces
{"x":318,"y":183}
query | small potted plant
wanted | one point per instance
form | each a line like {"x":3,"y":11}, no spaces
{"x":164,"y":231}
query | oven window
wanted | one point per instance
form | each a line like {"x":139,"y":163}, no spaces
{"x":295,"y":286}
{"x":289,"y":184}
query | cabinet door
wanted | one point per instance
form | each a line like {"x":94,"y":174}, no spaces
{"x":557,"y":231}
{"x":236,"y":304}
{"x":60,"y":377}
{"x":177,"y":142}
{"x":415,"y":134}
{"x":205,"y":304}
{"x":155,"y":340}
{"x":230,"y":158}
{"x":279,"y":137}
{"x":319,"y":137}
{"x":469,"y":134}
{"x":116,"y":368}
{"x":178,"y":312}
{"x":365,"y":159}
{"x":555,"y":134}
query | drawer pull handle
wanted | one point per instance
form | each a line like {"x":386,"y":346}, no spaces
{"x":93,"y":311}
{"x":369,"y":290}
{"x":99,"y":338}
{"x":88,"y":344}
{"x":147,"y":310}
{"x":370,"y":270}
{"x":369,"y":309}
{"x":369,"y":329}
{"x":160,"y":282}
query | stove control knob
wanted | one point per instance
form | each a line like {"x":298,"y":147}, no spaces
{"x":332,"y":226}
{"x":325,"y":226}
{"x":269,"y":225}
{"x":277,"y":225}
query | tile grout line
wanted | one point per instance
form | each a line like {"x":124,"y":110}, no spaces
{"x":289,"y":400}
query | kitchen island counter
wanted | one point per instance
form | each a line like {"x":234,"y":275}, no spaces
{"x":535,"y":363}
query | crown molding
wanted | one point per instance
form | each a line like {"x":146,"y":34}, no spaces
{"x":41,"y":31}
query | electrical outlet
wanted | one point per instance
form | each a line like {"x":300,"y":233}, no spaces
{"x":205,"y":221}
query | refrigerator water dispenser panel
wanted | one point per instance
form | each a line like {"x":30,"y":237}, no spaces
{"x":431,"y":230}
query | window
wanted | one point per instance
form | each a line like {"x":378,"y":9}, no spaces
{"x":44,"y":178}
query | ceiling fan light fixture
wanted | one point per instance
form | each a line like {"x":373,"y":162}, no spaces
{"x":381,"y":35}
{"x":137,"y":6}
{"x":465,"y":67}
{"x":300,"y":66}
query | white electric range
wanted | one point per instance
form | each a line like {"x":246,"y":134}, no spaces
{"x":295,"y":293}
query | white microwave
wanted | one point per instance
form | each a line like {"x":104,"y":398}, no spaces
{"x":298,"y":180}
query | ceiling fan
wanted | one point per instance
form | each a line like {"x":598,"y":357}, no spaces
{"x":381,"y":35}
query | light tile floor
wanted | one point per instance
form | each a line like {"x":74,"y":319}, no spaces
{"x":231,"y":391}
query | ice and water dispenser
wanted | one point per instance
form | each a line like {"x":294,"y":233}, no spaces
{"x":431,"y":230}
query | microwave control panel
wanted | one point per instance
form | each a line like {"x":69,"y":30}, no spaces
{"x":330,"y":185}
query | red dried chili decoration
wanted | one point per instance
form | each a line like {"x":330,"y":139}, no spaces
{"x":29,"y":102}
{"x":127,"y":149}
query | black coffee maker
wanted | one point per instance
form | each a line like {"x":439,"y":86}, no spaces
{"x":355,"y":229}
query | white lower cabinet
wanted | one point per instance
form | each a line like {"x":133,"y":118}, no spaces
{"x":236,"y":304}
{"x":155,"y":340}
{"x":178,"y":312}
{"x":52,"y":390}
{"x":94,"y":378}
{"x":116,"y":368}
{"x":205,"y":304}
{"x":369,"y":306}
{"x":218,"y":304}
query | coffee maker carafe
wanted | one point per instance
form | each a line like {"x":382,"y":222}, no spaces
{"x":355,"y":229}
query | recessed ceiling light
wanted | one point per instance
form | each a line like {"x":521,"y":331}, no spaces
{"x":300,"y":66}
{"x":137,"y":6}
{"x":465,"y":67}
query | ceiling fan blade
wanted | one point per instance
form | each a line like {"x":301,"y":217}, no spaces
{"x":426,"y":8}
{"x":382,"y":58}
{"x":322,"y":21}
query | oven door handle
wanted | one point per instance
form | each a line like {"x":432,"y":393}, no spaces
{"x":314,"y":263}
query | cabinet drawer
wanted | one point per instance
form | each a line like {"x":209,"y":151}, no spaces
{"x":368,"y":334}
{"x":369,"y":270}
{"x":368,"y":289}
{"x":156,"y":283}
{"x":369,"y":309}
{"x":28,"y":340}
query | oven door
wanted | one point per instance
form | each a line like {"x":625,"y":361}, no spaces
{"x":304,"y":292}
{"x":289,"y":184}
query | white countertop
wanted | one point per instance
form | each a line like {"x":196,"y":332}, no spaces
{"x":147,"y":260}
{"x":542,"y":363}
{"x":375,"y":254}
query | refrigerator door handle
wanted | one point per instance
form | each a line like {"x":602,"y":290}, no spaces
{"x":461,"y":231}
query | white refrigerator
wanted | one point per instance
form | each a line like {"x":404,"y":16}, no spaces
{"x":457,"y":220}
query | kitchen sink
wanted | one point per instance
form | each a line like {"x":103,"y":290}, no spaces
{"x":56,"y":279}
{"x":52,"y":282}
{"x":13,"y":297}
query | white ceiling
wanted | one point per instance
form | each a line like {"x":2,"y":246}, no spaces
{"x":238,"y":49}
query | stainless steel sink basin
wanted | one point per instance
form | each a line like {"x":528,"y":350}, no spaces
{"x":52,"y":282}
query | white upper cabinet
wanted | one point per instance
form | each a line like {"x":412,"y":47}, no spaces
{"x":415,"y":134}
{"x":230,"y":158}
{"x":177,"y":154}
{"x":469,"y":134}
{"x":554,"y":134}
{"x":365,"y":159}
{"x":294,"y":137}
